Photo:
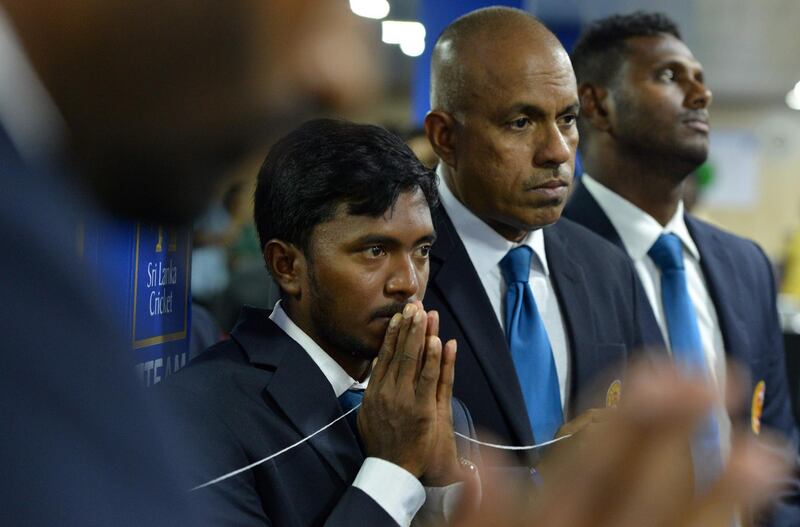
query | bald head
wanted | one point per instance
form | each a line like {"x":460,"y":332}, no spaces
{"x":503,"y":108}
{"x":464,"y":52}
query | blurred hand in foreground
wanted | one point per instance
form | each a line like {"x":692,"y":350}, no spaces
{"x":633,"y":471}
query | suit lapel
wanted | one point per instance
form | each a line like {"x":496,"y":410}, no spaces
{"x":723,"y":282}
{"x":584,"y":209}
{"x":301,"y":391}
{"x":460,"y":288}
{"x":569,"y":282}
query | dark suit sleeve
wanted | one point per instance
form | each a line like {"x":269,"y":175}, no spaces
{"x":357,"y":509}
{"x":236,"y":501}
{"x":777,"y":413}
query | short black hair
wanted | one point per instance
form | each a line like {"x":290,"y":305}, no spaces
{"x":324,"y":163}
{"x":600,"y":49}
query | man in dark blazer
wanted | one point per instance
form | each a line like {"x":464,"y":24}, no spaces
{"x":503,"y":123}
{"x":343,"y":214}
{"x":644,"y":129}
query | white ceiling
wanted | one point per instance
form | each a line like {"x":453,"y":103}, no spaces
{"x":750,"y":49}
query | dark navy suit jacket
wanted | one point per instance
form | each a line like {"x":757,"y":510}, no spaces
{"x":600,"y":301}
{"x":742,"y":287}
{"x":254,"y":395}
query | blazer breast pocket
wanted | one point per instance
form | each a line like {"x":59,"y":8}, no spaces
{"x":600,"y":379}
{"x":611,"y":354}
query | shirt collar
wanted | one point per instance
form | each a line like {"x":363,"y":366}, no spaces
{"x":637,"y":229}
{"x":27,"y":112}
{"x":484,"y":245}
{"x":339,"y":379}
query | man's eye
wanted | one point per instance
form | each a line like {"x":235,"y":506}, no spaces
{"x":424,"y":251}
{"x":521,"y":123}
{"x":666,"y":75}
{"x":569,"y":119}
{"x":375,"y":251}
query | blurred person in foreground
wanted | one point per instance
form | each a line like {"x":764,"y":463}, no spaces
{"x":644,"y":128}
{"x":627,"y":473}
{"x":343,"y":215}
{"x":129,"y":108}
{"x":545,"y":312}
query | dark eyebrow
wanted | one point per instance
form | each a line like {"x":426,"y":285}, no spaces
{"x":527,"y":109}
{"x":691,"y":65}
{"x":430,"y":238}
{"x":572,"y":108}
{"x":388,"y":241}
{"x":535,"y":111}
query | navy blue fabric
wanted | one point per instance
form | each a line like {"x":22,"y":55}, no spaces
{"x":530,"y":347}
{"x":253,"y":395}
{"x":349,"y":400}
{"x":599,"y":298}
{"x":742,"y":287}
{"x":81,"y":444}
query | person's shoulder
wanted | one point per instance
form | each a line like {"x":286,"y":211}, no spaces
{"x":586,"y":244}
{"x":221,"y":369}
{"x":705,"y":233}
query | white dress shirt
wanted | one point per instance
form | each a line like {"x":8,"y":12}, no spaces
{"x":26,"y":111}
{"x":486,"y":248}
{"x":392,"y":487}
{"x":639,"y":231}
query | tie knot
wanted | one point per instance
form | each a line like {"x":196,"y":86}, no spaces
{"x":667,"y":252}
{"x":351,"y":398}
{"x":516,"y":265}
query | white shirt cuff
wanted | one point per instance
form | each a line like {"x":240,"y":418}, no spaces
{"x":392,"y":487}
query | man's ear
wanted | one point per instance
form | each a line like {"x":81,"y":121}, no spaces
{"x":595,"y":101}
{"x":287,"y":265}
{"x":440,"y":127}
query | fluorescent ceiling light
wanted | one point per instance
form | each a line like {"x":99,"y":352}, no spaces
{"x":793,"y":97}
{"x":409,"y":35}
{"x":413,"y":48}
{"x":370,"y":8}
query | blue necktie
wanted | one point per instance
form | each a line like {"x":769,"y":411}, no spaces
{"x":687,"y":350}
{"x":530,"y":347}
{"x":349,"y":400}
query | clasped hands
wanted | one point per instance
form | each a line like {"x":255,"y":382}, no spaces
{"x":406,"y":417}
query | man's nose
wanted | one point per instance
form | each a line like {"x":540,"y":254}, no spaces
{"x":552,"y":149}
{"x":403,"y":281}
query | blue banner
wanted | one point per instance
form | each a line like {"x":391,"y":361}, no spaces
{"x":145,"y":273}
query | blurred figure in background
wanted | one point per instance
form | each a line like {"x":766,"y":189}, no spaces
{"x":132,"y":108}
{"x":214,"y":237}
{"x":644,"y":128}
